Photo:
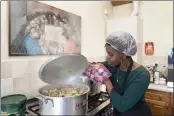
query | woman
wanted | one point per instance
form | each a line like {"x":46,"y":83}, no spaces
{"x":129,"y":79}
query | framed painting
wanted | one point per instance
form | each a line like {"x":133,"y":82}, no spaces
{"x":39,"y":29}
{"x":149,"y":48}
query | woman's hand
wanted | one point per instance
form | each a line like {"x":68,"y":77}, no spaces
{"x":109,"y":85}
{"x":92,"y":64}
{"x":89,"y":63}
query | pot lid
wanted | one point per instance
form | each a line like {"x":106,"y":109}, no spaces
{"x":63,"y":69}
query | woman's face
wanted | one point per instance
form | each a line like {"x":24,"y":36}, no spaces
{"x":113,"y":57}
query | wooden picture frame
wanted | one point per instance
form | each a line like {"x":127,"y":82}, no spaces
{"x":39,"y":29}
{"x":149,"y":48}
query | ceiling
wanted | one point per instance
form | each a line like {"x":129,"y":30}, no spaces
{"x":117,"y":3}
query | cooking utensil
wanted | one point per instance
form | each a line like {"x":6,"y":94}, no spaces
{"x":63,"y":69}
{"x":95,"y":88}
{"x":59,"y":72}
{"x":77,"y":105}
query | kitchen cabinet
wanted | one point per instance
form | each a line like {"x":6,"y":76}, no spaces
{"x":117,"y":3}
{"x":132,"y":25}
{"x":160,"y":103}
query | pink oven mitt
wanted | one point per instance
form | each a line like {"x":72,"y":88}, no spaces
{"x":98,"y":73}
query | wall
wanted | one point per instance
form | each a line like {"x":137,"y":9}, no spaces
{"x":20,"y":74}
{"x":157,"y":19}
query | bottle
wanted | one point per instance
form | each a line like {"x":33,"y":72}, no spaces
{"x":156,"y":74}
{"x":164,"y":72}
{"x":151,"y":71}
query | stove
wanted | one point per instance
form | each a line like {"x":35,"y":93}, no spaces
{"x":98,"y":105}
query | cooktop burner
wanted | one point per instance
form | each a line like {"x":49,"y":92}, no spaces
{"x":93,"y":102}
{"x":96,"y":100}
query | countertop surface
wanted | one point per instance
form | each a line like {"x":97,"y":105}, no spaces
{"x":162,"y":88}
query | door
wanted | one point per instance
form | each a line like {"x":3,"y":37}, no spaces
{"x":157,"y":110}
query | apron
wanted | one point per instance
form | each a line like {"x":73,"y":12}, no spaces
{"x":139,"y":109}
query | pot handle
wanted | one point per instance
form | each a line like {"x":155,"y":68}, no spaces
{"x":40,"y":97}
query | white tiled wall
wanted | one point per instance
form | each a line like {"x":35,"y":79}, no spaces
{"x":19,"y":74}
{"x":22,"y":76}
{"x":6,"y":86}
{"x":6,"y":69}
{"x":18,"y":67}
{"x":21,"y":83}
{"x":161,"y":60}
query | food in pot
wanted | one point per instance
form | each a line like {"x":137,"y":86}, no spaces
{"x":65,"y":91}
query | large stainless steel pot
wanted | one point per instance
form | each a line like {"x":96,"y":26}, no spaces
{"x":60,"y":71}
{"x":77,"y":105}
{"x":95,"y":88}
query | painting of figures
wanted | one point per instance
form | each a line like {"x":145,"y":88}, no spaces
{"x":40,"y":29}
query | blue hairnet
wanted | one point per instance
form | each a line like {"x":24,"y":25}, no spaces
{"x":122,"y":42}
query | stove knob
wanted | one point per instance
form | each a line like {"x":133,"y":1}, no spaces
{"x":106,"y":113}
{"x":103,"y":114}
{"x":110,"y":111}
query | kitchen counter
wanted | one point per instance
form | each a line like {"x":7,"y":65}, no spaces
{"x":162,"y":88}
{"x":157,"y":87}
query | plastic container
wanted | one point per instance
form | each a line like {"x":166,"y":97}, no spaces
{"x":13,"y":104}
{"x":157,"y":75}
{"x":164,"y":72}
